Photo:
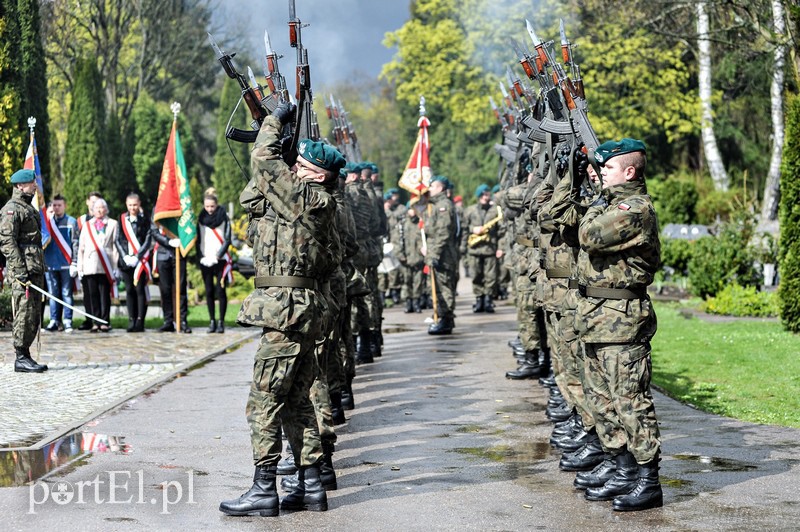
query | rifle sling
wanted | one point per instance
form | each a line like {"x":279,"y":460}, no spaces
{"x":288,"y":281}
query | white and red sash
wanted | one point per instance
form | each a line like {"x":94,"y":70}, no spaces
{"x":63,"y":246}
{"x":227,"y":271}
{"x":105,"y":262}
{"x":142,"y":265}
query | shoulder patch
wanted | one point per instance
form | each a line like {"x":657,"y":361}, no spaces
{"x":624,"y":206}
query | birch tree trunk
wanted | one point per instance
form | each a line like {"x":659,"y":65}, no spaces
{"x":713,"y":158}
{"x":769,"y":207}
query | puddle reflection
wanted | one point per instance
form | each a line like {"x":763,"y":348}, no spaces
{"x":18,"y":468}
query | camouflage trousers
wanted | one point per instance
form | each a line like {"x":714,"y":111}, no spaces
{"x":367,"y":310}
{"x":445,"y":292}
{"x":503,"y":274}
{"x":530,"y":332}
{"x":394,"y":278}
{"x":484,"y":275}
{"x":27,"y":312}
{"x":346,"y":345}
{"x":320,"y":391}
{"x":413,"y":281}
{"x":617,"y":387}
{"x":283,"y":373}
{"x":563,"y":343}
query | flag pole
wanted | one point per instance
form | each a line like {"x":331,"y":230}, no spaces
{"x":176,"y":108}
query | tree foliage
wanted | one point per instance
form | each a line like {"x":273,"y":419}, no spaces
{"x":789,"y":258}
{"x":85,"y":162}
{"x":11,"y":142}
{"x":151,"y":124}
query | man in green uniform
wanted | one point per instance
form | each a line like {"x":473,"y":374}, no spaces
{"x":479,"y":243}
{"x":21,"y":243}
{"x":295,"y":248}
{"x":619,"y":255}
{"x":441,"y":253}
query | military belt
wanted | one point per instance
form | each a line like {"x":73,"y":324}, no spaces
{"x":611,"y":293}
{"x":573,"y":284}
{"x":289,"y":281}
{"x":527,"y":242}
{"x":558,"y":273}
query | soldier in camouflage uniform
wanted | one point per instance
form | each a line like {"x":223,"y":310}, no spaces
{"x":21,"y":244}
{"x":295,"y":248}
{"x":441,"y":253}
{"x":396,"y":216}
{"x":482,"y":254}
{"x":620,"y":253}
{"x":409,"y":255}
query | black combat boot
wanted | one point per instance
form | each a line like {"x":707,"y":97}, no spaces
{"x":569,"y":428}
{"x":584,"y":459}
{"x":647,"y":492}
{"x":478,"y":306}
{"x":375,"y":343}
{"x":488,"y":306}
{"x":363,"y":355}
{"x":417,"y":306}
{"x":348,"y":402}
{"x":559,"y":413}
{"x":575,"y":442}
{"x":528,"y":368}
{"x":337,"y":410}
{"x":287,"y":466}
{"x":309,"y":493}
{"x":212,"y":327}
{"x":25,"y":364}
{"x":515,"y":343}
{"x":131,"y":325}
{"x":598,"y":476}
{"x":443,"y":326}
{"x":327,"y":474}
{"x":622,"y":483}
{"x":261,"y":499}
{"x":409,"y":306}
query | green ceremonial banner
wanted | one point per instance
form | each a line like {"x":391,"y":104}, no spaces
{"x":173,"y":209}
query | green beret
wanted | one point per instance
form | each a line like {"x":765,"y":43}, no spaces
{"x":387,"y":195}
{"x":343,"y":172}
{"x":612,"y":148}
{"x":374,"y":168}
{"x":321,"y":154}
{"x":495,"y":189}
{"x":393,"y":191}
{"x":482,"y":189}
{"x":528,"y":168}
{"x":23,"y":176}
{"x":442,"y":179}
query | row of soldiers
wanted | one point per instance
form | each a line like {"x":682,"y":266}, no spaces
{"x":581,"y":264}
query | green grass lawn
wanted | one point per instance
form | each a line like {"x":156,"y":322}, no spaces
{"x":748,"y":370}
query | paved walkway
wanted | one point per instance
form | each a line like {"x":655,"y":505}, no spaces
{"x":91,"y":373}
{"x":439,"y":440}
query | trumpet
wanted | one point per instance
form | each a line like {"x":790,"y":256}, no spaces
{"x":476,"y":239}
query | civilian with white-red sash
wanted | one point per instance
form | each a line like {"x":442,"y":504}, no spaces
{"x":213,"y":241}
{"x":97,"y":262}
{"x":133,"y":245}
{"x":61,"y":263}
{"x":165,"y":249}
{"x":90,"y":199}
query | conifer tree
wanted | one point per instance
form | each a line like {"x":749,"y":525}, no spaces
{"x":85,"y":167}
{"x":789,"y":259}
{"x":12,"y":140}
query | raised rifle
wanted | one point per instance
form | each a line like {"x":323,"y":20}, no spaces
{"x":351,"y":132}
{"x":500,"y":117}
{"x":250,"y":96}
{"x":305,"y":124}
{"x":275,"y":80}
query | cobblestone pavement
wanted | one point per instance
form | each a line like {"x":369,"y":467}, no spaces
{"x":91,"y":373}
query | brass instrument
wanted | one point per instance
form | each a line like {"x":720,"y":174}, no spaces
{"x":475,"y":239}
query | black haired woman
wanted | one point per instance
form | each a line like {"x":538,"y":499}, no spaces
{"x":214,"y":239}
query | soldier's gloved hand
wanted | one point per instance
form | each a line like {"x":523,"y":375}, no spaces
{"x":600,"y":201}
{"x":175,"y":242}
{"x":73,"y":270}
{"x":285,"y":112}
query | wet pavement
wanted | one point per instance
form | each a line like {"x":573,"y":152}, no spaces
{"x":89,"y":374}
{"x":439,"y":440}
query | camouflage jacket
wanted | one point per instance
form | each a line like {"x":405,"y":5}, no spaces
{"x":360,"y":198}
{"x":476,"y":216}
{"x":619,"y":249}
{"x":293,"y":233}
{"x":21,"y":238}
{"x":559,"y":257}
{"x":408,"y":251}
{"x":440,"y":230}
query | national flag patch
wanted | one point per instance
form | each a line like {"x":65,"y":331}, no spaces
{"x":624,"y":206}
